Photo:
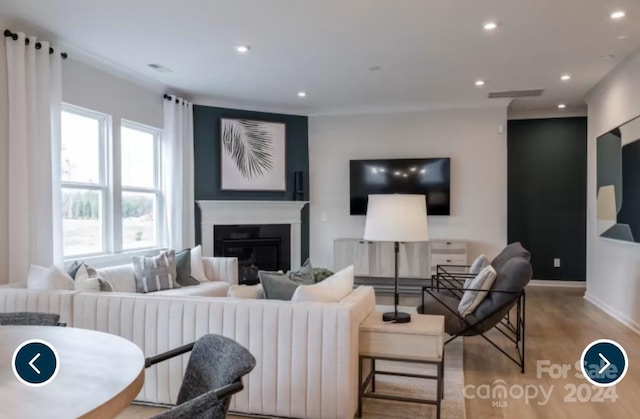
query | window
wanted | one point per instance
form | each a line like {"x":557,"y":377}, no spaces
{"x":111,"y":195}
{"x":84,"y":188}
{"x":140,"y":186}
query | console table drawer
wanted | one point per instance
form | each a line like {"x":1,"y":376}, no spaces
{"x":418,"y":347}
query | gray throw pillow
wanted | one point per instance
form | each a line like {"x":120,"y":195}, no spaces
{"x":183,"y":269}
{"x":155,"y":273}
{"x":277,"y":286}
{"x":480,"y":284}
{"x":303,"y":275}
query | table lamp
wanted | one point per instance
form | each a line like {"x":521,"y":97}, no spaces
{"x":396,"y":218}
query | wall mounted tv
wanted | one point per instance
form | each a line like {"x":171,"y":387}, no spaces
{"x":428,"y":176}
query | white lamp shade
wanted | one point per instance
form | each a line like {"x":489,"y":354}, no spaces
{"x":396,"y":218}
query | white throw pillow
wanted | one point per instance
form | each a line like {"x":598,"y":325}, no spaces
{"x":478,"y":264}
{"x":471,"y":299}
{"x":85,"y":282}
{"x":197,"y":267}
{"x":331,"y":290}
{"x":53,"y":278}
{"x":246,"y":292}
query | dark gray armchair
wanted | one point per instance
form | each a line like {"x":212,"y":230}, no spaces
{"x":24,"y":318}
{"x":214,"y":374}
{"x":514,"y":272}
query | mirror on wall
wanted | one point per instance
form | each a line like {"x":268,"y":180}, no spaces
{"x":618,"y":183}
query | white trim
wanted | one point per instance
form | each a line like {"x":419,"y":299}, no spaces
{"x":556,"y":284}
{"x":252,"y":212}
{"x":613,"y":312}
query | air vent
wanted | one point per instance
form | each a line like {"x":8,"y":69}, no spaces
{"x":516,"y":93}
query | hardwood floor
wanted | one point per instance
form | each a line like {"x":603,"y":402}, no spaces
{"x":560,"y":323}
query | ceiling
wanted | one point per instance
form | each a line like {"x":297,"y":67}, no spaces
{"x":429,"y":52}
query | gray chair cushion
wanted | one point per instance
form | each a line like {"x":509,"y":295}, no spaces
{"x":452,"y":323}
{"x":511,"y":251}
{"x":513,"y":276}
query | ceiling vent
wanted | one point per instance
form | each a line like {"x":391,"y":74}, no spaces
{"x":516,"y":94}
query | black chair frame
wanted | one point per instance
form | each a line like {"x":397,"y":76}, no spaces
{"x":515,"y":331}
{"x":223,"y":393}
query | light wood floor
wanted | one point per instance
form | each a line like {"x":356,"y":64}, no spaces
{"x":560,"y":323}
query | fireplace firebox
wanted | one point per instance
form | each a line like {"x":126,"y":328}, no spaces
{"x":265,"y":247}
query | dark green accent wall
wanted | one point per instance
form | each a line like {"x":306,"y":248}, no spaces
{"x":547,"y":194}
{"x":206,"y":132}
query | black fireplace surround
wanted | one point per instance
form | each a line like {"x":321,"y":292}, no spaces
{"x":265,"y":247}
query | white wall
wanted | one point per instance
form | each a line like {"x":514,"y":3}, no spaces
{"x":613,"y":268}
{"x":4,"y":164}
{"x":91,"y":88}
{"x":478,"y":172}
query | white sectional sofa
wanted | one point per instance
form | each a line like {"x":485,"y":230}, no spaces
{"x":307,"y":353}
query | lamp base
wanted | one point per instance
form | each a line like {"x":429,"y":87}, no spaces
{"x":396,"y":317}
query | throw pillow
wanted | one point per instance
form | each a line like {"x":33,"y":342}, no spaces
{"x":183,"y":269}
{"x":320,"y":274}
{"x":277,"y":286}
{"x":331,"y":290}
{"x":53,"y":278}
{"x":87,"y":279}
{"x":246,"y":292}
{"x":480,"y":284}
{"x":197,"y":267}
{"x":155,"y":273}
{"x":73,"y":269}
{"x":478,"y":264}
{"x":302,"y":275}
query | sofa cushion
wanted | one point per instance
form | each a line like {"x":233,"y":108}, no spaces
{"x":471,"y":298}
{"x":277,"y":286}
{"x":246,"y":292}
{"x":302,"y":275}
{"x":197,"y":267}
{"x":119,"y":277}
{"x":331,"y":290}
{"x":183,"y":269}
{"x":205,"y":289}
{"x":53,"y":278}
{"x":155,"y":273}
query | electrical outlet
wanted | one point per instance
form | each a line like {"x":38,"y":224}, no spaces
{"x":556,"y":263}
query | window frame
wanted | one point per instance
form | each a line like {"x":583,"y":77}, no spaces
{"x":104,"y":122}
{"x":112,"y":189}
{"x":157,"y":190}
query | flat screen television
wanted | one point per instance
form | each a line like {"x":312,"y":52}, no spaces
{"x":427,"y":176}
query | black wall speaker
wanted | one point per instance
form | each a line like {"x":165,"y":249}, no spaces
{"x":298,"y":186}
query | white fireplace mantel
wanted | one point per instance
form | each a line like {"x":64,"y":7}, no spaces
{"x":252,"y":212}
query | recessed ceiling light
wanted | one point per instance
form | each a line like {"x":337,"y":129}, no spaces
{"x":489,"y":26}
{"x":243,"y":49}
{"x":562,"y":106}
{"x":618,"y":14}
{"x":565,"y":77}
{"x":480,"y":83}
{"x":607,"y":57}
{"x":623,"y":37}
{"x":302,"y":94}
{"x":375,"y":68}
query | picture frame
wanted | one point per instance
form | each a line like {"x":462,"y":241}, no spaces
{"x":252,"y":155}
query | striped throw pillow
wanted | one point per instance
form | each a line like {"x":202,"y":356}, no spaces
{"x":155,"y":273}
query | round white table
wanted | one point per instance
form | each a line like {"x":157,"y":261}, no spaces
{"x":98,"y":376}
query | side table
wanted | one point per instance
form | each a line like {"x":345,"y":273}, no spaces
{"x":419,"y":341}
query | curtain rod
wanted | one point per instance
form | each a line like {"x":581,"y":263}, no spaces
{"x":14,"y":36}
{"x":167,"y":97}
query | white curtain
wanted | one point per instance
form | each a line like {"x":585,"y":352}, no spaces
{"x":177,"y":173}
{"x":35,"y":96}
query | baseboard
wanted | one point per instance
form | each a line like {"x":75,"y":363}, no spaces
{"x":554,"y":283}
{"x":613,"y":312}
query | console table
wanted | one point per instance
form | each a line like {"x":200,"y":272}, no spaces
{"x":420,"y":341}
{"x":373,"y":262}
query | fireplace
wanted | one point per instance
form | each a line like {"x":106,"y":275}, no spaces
{"x":265,"y":247}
